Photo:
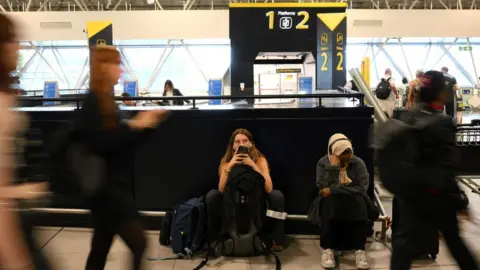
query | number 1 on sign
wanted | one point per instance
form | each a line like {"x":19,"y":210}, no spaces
{"x":270,"y":16}
{"x":302,"y":25}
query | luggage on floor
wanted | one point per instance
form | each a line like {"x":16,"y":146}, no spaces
{"x":427,"y":237}
{"x":244,"y":215}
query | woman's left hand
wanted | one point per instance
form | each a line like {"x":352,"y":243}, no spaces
{"x":249,"y":162}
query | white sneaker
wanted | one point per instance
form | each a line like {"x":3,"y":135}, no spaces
{"x":361,"y":260}
{"x":328,"y":259}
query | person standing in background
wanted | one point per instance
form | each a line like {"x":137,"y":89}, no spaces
{"x":414,"y":90}
{"x":170,"y":91}
{"x":453,"y":87}
{"x":100,"y":125}
{"x":18,"y":249}
{"x":389,"y":104}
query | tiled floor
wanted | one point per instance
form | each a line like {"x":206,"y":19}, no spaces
{"x":68,"y":248}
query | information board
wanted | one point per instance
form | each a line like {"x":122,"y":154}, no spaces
{"x":130,"y":87}
{"x":305,"y":86}
{"x":215,"y":90}
{"x":317,"y":28}
{"x":50,"y":90}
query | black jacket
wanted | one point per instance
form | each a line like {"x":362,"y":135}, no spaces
{"x":115,"y":145}
{"x":438,"y":149}
{"x":177,"y":102}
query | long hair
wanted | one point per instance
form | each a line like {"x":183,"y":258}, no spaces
{"x":254,"y":153}
{"x":7,"y":35}
{"x":169,"y":84}
{"x":99,"y":83}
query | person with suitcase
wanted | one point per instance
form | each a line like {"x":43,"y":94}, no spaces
{"x":430,"y":200}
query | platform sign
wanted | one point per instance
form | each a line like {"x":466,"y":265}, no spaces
{"x":100,"y":33}
{"x":289,"y":27}
{"x":50,"y":90}
{"x":130,"y":87}
{"x":331,"y":48}
{"x":215,"y":89}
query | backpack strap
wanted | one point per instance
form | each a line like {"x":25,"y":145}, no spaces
{"x":267,"y":251}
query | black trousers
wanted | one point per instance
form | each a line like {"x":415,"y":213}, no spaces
{"x":450,"y":107}
{"x":343,"y":235}
{"x":428,"y":210}
{"x":275,"y":227}
{"x":39,"y":260}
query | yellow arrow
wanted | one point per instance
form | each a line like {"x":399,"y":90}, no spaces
{"x":331,"y":20}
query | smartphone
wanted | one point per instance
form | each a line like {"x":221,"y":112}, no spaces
{"x":243,"y":150}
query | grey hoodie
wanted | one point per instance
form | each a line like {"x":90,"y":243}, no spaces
{"x":328,"y":176}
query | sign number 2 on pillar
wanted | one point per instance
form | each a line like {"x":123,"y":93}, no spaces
{"x":324,"y":56}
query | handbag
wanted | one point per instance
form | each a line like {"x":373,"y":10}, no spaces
{"x":373,"y":211}
{"x":88,"y":168}
{"x":460,"y":200}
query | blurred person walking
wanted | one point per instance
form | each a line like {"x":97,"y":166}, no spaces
{"x":436,"y":200}
{"x":18,"y":249}
{"x":106,"y":134}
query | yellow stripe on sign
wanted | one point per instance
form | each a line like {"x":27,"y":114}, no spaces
{"x":94,"y":28}
{"x":287,"y":5}
{"x":331,"y":20}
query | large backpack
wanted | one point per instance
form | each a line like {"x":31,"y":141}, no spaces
{"x":398,"y":152}
{"x":187,"y":234}
{"x":244,"y":215}
{"x":384,"y":89}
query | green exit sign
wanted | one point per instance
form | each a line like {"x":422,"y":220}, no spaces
{"x":465,"y":48}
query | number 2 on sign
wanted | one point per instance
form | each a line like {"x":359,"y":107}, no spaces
{"x":324,"y":57}
{"x":302,"y":25}
{"x":340,"y":61}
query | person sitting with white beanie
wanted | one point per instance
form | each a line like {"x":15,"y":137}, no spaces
{"x":342,"y":180}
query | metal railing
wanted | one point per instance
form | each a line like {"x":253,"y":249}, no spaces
{"x":467,"y":180}
{"x":194,"y":99}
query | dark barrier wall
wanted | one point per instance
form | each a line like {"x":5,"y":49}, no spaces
{"x":180,"y":159}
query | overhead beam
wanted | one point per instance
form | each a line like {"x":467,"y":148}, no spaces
{"x":117,"y":5}
{"x":394,"y":64}
{"x":28,"y":6}
{"x":457,"y":64}
{"x":2,"y":8}
{"x":413,"y":4}
{"x":43,"y":5}
{"x":387,"y":4}
{"x":79,"y":5}
{"x":157,"y":2}
{"x":443,"y":4}
{"x":195,"y":61}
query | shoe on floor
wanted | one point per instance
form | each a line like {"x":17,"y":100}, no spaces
{"x":361,"y":260}
{"x":328,"y":259}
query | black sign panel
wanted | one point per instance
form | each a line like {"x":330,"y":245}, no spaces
{"x":331,"y":51}
{"x":278,"y":27}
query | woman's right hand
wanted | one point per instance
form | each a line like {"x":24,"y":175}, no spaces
{"x":149,"y":119}
{"x":236,"y":159}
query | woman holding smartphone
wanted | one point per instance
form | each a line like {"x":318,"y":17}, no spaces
{"x":241,"y":150}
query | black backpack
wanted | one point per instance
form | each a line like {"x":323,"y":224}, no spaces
{"x":384,"y":89}
{"x":397,"y":153}
{"x":75,"y":170}
{"x":62,"y":178}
